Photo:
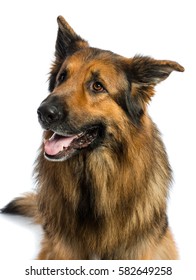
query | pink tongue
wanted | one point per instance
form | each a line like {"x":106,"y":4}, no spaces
{"x":55,"y":145}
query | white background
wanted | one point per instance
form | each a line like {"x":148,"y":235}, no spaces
{"x":162,"y":29}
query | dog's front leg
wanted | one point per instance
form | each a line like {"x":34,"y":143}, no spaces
{"x":58,"y":250}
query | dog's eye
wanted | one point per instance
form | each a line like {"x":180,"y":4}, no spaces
{"x":62,"y":77}
{"x":98,"y":87}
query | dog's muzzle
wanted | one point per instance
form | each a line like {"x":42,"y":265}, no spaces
{"x":65,"y":140}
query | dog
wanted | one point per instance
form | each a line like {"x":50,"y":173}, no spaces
{"x":102,"y":172}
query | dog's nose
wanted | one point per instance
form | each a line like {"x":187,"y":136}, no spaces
{"x":51,"y":112}
{"x":48,"y":113}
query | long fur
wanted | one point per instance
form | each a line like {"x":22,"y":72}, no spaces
{"x":108,"y":202}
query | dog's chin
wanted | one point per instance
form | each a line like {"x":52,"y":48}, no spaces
{"x":60,"y":147}
{"x":61,"y":156}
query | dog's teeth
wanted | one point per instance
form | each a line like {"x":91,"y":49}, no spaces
{"x":52,"y":137}
{"x":80,"y":134}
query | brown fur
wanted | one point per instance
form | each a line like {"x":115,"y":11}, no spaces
{"x":108,"y":201}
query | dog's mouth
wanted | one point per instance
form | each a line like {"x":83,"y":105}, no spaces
{"x":61,"y":147}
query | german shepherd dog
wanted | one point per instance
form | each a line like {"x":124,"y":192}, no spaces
{"x":102,"y":172}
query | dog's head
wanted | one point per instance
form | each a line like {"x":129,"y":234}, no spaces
{"x":93,"y":92}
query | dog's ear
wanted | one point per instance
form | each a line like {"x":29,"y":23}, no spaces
{"x":148,"y":71}
{"x":67,"y":43}
{"x":67,"y":40}
{"x":143,"y":74}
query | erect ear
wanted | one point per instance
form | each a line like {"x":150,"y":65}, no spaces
{"x":67,"y":40}
{"x":67,"y":43}
{"x":143,"y":74}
